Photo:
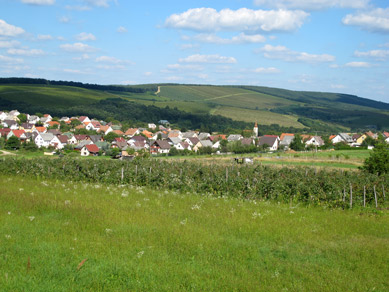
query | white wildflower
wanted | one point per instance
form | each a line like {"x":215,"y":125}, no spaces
{"x":9,"y":213}
{"x":44,"y":183}
{"x":170,"y":204}
{"x":138,"y":204}
{"x":232,"y":211}
{"x":140,"y":254}
{"x":21,"y":190}
{"x":195,"y":207}
{"x":276,"y":274}
{"x":291,"y":212}
{"x":183,"y":222}
{"x":255,"y":215}
{"x":124,"y":194}
{"x":146,"y":199}
{"x":108,"y":231}
{"x":31,"y":218}
{"x":8,"y":236}
{"x":67,"y":202}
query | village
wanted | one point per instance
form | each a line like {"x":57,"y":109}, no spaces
{"x":91,"y":137}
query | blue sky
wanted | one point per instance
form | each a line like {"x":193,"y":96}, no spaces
{"x":316,"y":45}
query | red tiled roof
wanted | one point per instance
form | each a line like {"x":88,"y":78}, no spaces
{"x":18,"y":133}
{"x":92,"y":148}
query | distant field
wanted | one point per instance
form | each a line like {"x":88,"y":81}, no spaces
{"x":262,"y":117}
{"x":66,"y":236}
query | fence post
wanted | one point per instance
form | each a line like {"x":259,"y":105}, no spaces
{"x":122,"y":174}
{"x":136,"y":170}
{"x":375,"y":197}
{"x":364,"y":196}
{"x":383,"y":191}
{"x":351,"y":196}
{"x":226,"y":174}
{"x":344,"y":194}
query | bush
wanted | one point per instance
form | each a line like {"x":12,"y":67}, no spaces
{"x":378,"y":162}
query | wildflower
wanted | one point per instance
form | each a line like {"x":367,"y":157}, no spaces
{"x":9,"y":213}
{"x":21,"y":190}
{"x":140,"y":254}
{"x":291,"y":212}
{"x":196,"y":207}
{"x":44,"y":183}
{"x":31,"y":218}
{"x":232,"y":211}
{"x":108,"y":231}
{"x":276,"y":274}
{"x":146,"y":199}
{"x":8,"y":236}
{"x":67,"y":202}
{"x":183,"y":222}
{"x":255,"y":215}
{"x":124,"y":194}
{"x":138,"y":204}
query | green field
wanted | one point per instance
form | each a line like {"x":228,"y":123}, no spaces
{"x":137,"y":239}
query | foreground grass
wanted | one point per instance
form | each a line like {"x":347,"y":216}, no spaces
{"x":136,"y":239}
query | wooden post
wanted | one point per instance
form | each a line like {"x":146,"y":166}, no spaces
{"x":375,"y":197}
{"x":136,"y":170}
{"x":150,"y":169}
{"x":364,"y":196}
{"x":226,"y":174}
{"x":351,"y":196}
{"x":122,"y":173}
{"x":344,"y":194}
{"x":383,"y":191}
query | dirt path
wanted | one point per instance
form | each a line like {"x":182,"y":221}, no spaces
{"x":3,"y":152}
{"x":159,"y":90}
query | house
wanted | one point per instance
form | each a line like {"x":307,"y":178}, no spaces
{"x":247,"y":141}
{"x":64,"y":119}
{"x":315,"y":141}
{"x":206,"y":143}
{"x":161,"y":135}
{"x":197,"y":146}
{"x":27,"y":127}
{"x":358,"y":139}
{"x":160,"y":147}
{"x":120,"y":143}
{"x":90,"y":150}
{"x":84,"y":119}
{"x":14,"y":115}
{"x":234,"y":137}
{"x":204,"y":136}
{"x":4,"y":132}
{"x":270,"y":141}
{"x":192,"y":141}
{"x":63,"y":139}
{"x":118,"y":132}
{"x":175,"y":134}
{"x":131,"y":132}
{"x":46,"y":140}
{"x":163,"y":122}
{"x":33,"y":119}
{"x":96,"y":138}
{"x":80,"y":138}
{"x":174,"y":141}
{"x":3,"y":116}
{"x":183,"y":146}
{"x":189,"y":134}
{"x":342,"y":138}
{"x":53,"y":124}
{"x":285,"y":140}
{"x":151,"y":126}
{"x":20,"y":134}
{"x":139,"y":145}
{"x":13,"y":125}
{"x":148,"y":134}
{"x":137,"y":139}
{"x":40,"y":130}
{"x":386,"y":136}
{"x":372,"y":135}
{"x":93,"y":126}
{"x":55,"y":132}
{"x":105,"y":129}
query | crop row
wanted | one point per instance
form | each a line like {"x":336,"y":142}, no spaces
{"x":308,"y":185}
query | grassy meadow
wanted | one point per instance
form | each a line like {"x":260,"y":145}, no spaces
{"x":67,"y":236}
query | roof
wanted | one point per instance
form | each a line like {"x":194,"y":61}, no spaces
{"x":81,"y":137}
{"x":63,"y":138}
{"x":163,"y":144}
{"x":95,"y":138}
{"x":52,"y":123}
{"x":18,"y":133}
{"x":283,"y":135}
{"x":47,"y":136}
{"x":194,"y":141}
{"x":138,"y":138}
{"x":105,"y":128}
{"x":247,"y":141}
{"x":92,"y":148}
{"x":206,"y":143}
{"x":175,"y":140}
{"x":82,"y":118}
{"x":5,"y":131}
{"x":118,"y":132}
{"x":41,"y":129}
{"x":267,"y":140}
{"x":131,"y":132}
{"x":148,"y":134}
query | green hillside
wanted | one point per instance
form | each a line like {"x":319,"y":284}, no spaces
{"x":313,"y":110}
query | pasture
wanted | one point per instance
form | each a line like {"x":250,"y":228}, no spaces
{"x":59,"y":235}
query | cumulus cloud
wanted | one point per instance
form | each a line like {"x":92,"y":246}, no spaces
{"x":239,"y":39}
{"x":26,"y":52}
{"x":243,"y":19}
{"x":266,"y":70}
{"x":78,"y":7}
{"x":10,"y":60}
{"x":108,"y":63}
{"x":64,"y":19}
{"x":77,"y":48}
{"x":122,"y":29}
{"x":313,"y":4}
{"x":183,"y":67}
{"x":85,"y":37}
{"x":9,"y":30}
{"x":358,"y":65}
{"x":211,"y":59}
{"x":376,"y":20}
{"x":378,"y":54}
{"x":44,"y":37}
{"x":39,"y":2}
{"x":285,"y":54}
{"x":8,"y":44}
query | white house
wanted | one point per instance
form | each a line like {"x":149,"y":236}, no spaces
{"x":152,"y":126}
{"x":3,"y":116}
{"x":33,"y":119}
{"x":315,"y":141}
{"x":48,"y":139}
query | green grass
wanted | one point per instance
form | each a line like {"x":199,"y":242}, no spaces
{"x":136,"y":239}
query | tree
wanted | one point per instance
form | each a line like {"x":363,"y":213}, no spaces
{"x":30,"y":146}
{"x":111,"y":136}
{"x":22,"y":118}
{"x":297,"y":143}
{"x":378,"y":161}
{"x":74,"y":123}
{"x":13,"y":143}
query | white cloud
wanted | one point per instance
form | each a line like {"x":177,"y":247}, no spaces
{"x":98,"y":3}
{"x":285,"y":54}
{"x":39,"y":2}
{"x":44,"y":37}
{"x":7,"y":59}
{"x":239,"y":39}
{"x":148,"y":73}
{"x":78,"y":7}
{"x":64,"y":19}
{"x":8,"y":44}
{"x":313,"y":4}
{"x":376,"y":20}
{"x":209,"y":19}
{"x":108,"y":59}
{"x":9,"y":30}
{"x":77,"y":48}
{"x":266,"y":70}
{"x":85,"y":37}
{"x":358,"y":65}
{"x":184,"y":67}
{"x":338,"y":86}
{"x":111,"y":63}
{"x":26,"y":52}
{"x":82,"y":58}
{"x":188,"y":46}
{"x":74,"y":71}
{"x":122,"y":29}
{"x":215,"y":59}
{"x":378,"y":54}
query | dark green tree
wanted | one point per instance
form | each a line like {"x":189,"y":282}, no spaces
{"x":110,"y":137}
{"x":297,"y":143}
{"x":13,"y":143}
{"x":22,"y":118}
{"x":378,"y":161}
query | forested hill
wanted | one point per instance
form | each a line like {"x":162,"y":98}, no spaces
{"x":199,"y":106}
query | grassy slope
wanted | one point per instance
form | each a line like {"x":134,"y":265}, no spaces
{"x":143,"y":240}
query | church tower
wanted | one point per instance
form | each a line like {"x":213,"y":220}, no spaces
{"x":255,"y":130}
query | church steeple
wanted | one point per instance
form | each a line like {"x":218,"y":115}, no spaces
{"x":255,"y":130}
